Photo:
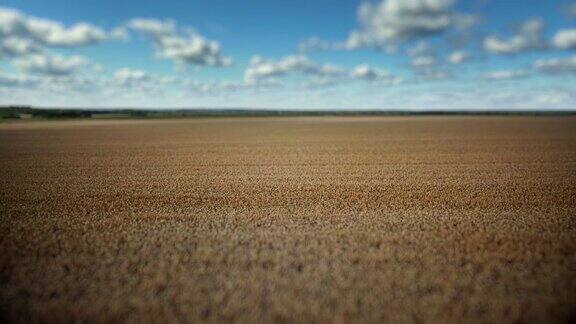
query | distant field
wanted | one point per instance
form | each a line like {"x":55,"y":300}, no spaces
{"x":298,"y":219}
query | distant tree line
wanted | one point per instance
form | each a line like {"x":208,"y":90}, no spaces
{"x":26,"y":112}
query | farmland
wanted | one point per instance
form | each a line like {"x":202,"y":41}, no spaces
{"x":289,"y":219}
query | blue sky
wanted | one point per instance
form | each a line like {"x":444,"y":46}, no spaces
{"x":386,"y":54}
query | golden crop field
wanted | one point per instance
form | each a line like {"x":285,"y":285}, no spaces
{"x":295,"y":219}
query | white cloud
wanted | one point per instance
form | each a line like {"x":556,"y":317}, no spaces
{"x":408,"y":19}
{"x":71,"y":83}
{"x":127,"y":76}
{"x":53,"y":65}
{"x":119,"y":33}
{"x":16,"y":80}
{"x":423,"y":62}
{"x":458,"y":57}
{"x":421,"y":48}
{"x":24,"y":40}
{"x":56,"y":35}
{"x":320,"y":83}
{"x":46,"y":32}
{"x":557,"y":65}
{"x":156,"y":28}
{"x":431,"y":75}
{"x":221,"y":87}
{"x":505,"y":75}
{"x":190,"y":47}
{"x":374,"y":75}
{"x":367,"y":72}
{"x":140,"y":81}
{"x":554,"y":98}
{"x":528,"y":38}
{"x":355,"y":40}
{"x":513,"y":45}
{"x":565,"y":39}
{"x":51,"y":83}
{"x":14,"y":46}
{"x":391,"y":21}
{"x":324,"y":75}
{"x":260,"y":68}
{"x":428,"y":68}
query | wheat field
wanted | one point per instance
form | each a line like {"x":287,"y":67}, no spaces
{"x":294,"y":219}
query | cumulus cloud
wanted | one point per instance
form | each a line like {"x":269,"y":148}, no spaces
{"x":51,"y":65}
{"x":391,"y":21}
{"x":221,"y":87}
{"x":323,"y":75}
{"x":320,"y":83}
{"x":556,"y":65}
{"x":63,"y":84}
{"x":128,"y":76}
{"x":119,"y":33}
{"x":355,"y":40}
{"x":529,"y":37}
{"x":15,"y":24}
{"x":408,"y":19}
{"x":24,"y":40}
{"x":156,"y":28}
{"x":428,"y":68}
{"x":130,"y":83}
{"x":56,"y":35}
{"x":505,"y":75}
{"x":431,"y":75}
{"x":421,"y":48}
{"x":189,"y":47}
{"x":423,"y":62}
{"x":260,"y":68}
{"x":14,"y":46}
{"x":374,"y":75}
{"x":458,"y":57}
{"x":555,"y":98}
{"x":565,"y":39}
{"x":16,"y":80}
{"x":514,"y":45}
{"x":366,"y":72}
{"x":71,"y":83}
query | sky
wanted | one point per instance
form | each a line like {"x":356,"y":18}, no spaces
{"x":298,"y":54}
